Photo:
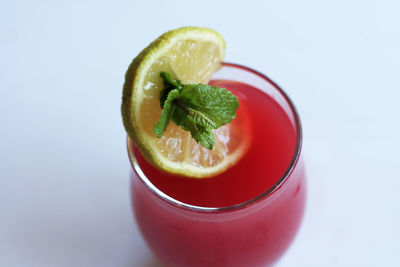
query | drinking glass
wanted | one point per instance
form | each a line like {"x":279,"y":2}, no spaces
{"x":253,"y":233}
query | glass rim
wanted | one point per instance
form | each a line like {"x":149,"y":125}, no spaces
{"x":170,"y":200}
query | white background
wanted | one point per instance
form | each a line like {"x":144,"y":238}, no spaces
{"x":64,"y":172}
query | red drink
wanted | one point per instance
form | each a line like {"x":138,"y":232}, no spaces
{"x":270,"y":152}
{"x":245,"y":216}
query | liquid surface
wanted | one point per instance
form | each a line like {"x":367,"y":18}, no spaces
{"x":272,"y":146}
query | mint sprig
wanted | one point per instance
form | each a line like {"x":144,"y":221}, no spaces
{"x":197,"y":108}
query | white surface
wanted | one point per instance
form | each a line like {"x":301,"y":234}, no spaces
{"x":63,"y":166}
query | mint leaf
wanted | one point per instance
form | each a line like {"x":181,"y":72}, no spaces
{"x":201,"y":118}
{"x":169,"y":85}
{"x":179,"y":117}
{"x":217,"y":104}
{"x":166,"y":113}
{"x":169,"y":80}
{"x":197,"y":108}
{"x":201,"y":134}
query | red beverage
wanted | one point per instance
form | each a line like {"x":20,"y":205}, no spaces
{"x":245,"y":216}
{"x":272,"y":146}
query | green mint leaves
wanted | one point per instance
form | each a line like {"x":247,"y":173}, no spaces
{"x":197,"y":108}
{"x":166,"y":114}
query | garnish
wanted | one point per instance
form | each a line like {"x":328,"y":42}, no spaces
{"x":197,"y":108}
{"x":192,"y":54}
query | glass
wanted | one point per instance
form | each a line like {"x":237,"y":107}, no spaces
{"x":253,"y":233}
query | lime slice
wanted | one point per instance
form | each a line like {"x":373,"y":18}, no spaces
{"x":191,"y":55}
